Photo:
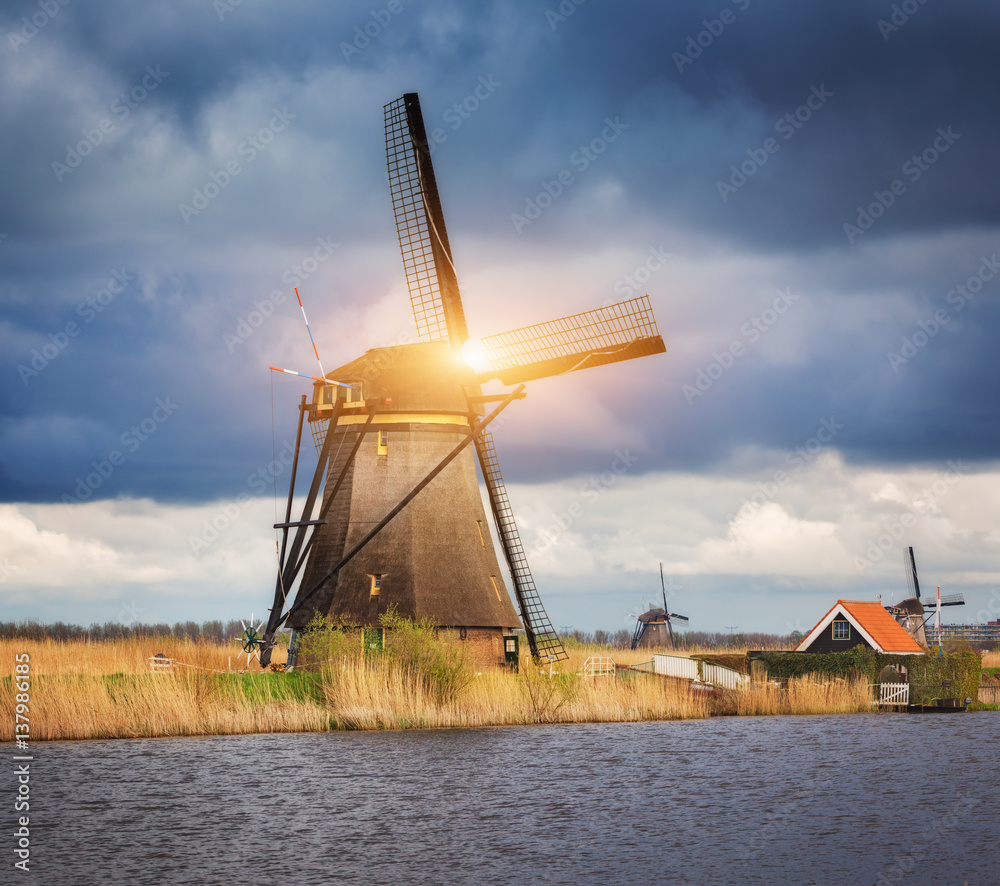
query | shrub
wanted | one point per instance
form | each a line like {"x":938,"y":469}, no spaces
{"x":439,"y":663}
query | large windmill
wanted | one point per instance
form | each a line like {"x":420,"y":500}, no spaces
{"x":401,"y":523}
{"x":655,"y":626}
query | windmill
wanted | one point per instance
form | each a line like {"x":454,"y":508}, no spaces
{"x":250,"y":639}
{"x":914,"y":613}
{"x":400,"y":525}
{"x":655,"y":626}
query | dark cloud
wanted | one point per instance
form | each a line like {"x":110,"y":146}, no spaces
{"x":878,"y":99}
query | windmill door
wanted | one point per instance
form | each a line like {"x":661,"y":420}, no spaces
{"x":374,"y":640}
{"x":510,"y":651}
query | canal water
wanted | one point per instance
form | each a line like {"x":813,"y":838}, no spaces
{"x":772,"y":800}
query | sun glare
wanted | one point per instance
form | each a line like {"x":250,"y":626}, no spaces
{"x":473,"y":354}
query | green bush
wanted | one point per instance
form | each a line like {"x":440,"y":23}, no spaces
{"x":947,"y":676}
{"x":438,"y":662}
{"x":324,"y":644}
{"x":735,"y":660}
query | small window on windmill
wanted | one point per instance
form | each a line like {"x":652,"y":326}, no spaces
{"x":323,"y":397}
{"x":376,"y":584}
{"x":383,"y":442}
{"x":841,"y":630}
{"x":354,"y":396}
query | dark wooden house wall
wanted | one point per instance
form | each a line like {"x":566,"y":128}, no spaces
{"x":825,"y":642}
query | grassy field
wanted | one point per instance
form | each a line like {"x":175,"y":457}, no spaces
{"x":107,"y":690}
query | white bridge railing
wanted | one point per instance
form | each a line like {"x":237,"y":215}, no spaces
{"x":720,"y":675}
{"x":675,"y":666}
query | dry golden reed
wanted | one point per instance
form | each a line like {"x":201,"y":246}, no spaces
{"x":107,"y":690}
{"x":809,"y":694}
{"x":379,"y":694}
{"x":991,"y":659}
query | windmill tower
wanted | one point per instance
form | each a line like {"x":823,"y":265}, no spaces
{"x":655,"y":626}
{"x":401,"y":523}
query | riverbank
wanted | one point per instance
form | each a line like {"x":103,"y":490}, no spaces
{"x":107,"y":690}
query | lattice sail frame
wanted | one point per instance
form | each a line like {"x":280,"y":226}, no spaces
{"x":606,"y":335}
{"x":423,"y":239}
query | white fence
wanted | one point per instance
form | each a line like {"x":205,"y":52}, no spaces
{"x":675,"y":666}
{"x":599,"y":666}
{"x":159,"y":663}
{"x":894,"y":693}
{"x":720,"y":675}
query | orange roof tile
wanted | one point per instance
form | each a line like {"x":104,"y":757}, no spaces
{"x":882,"y":627}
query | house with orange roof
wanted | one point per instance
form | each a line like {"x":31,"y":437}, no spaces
{"x":851,"y":623}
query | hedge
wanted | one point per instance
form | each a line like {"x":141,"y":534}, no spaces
{"x":927,"y":673}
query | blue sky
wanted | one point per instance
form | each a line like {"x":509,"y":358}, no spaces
{"x":807,"y":193}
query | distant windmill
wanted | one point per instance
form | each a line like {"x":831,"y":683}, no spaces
{"x":655,"y":626}
{"x":912,"y":613}
{"x":401,"y":524}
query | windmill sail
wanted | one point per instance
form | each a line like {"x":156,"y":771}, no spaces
{"x":439,"y":316}
{"x":401,"y":522}
{"x":423,"y":240}
{"x":542,"y":638}
{"x":610,"y":334}
{"x":910,"y":565}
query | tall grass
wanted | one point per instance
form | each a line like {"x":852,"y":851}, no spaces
{"x":991,"y":659}
{"x":382,"y":694}
{"x":105,"y":690}
{"x":809,"y":694}
{"x":161,"y":704}
{"x":52,"y":657}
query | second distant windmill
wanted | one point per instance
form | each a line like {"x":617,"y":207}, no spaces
{"x":655,"y":626}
